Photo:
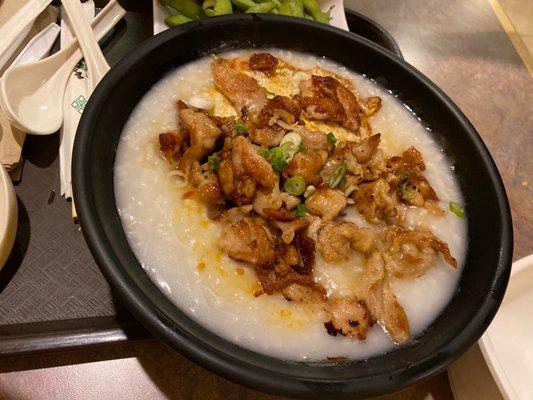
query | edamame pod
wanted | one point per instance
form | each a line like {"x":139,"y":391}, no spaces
{"x":311,"y":7}
{"x":173,"y":20}
{"x":293,"y":8}
{"x":188,"y":8}
{"x":243,"y":4}
{"x":223,"y":7}
{"x":264,"y":8}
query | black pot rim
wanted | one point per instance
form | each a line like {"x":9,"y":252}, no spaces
{"x":191,"y":347}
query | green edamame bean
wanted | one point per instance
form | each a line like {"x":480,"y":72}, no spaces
{"x":243,"y":4}
{"x":223,"y":7}
{"x":208,"y":4}
{"x":263,"y":8}
{"x":186,"y":7}
{"x":311,"y":7}
{"x":293,"y":8}
{"x":173,"y":20}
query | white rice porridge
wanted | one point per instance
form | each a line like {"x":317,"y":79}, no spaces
{"x":175,"y":242}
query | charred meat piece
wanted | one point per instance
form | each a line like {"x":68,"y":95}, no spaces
{"x":410,"y":253}
{"x":247,"y":240}
{"x":348,"y":317}
{"x":326,"y":203}
{"x":374,"y":201}
{"x":364,"y":150}
{"x":170,"y":143}
{"x":335,"y":241}
{"x":263,"y":62}
{"x":374,"y":289}
{"x":203,"y":134}
{"x":242,"y":90}
{"x":325,"y":98}
{"x":267,"y":131}
{"x":207,"y":184}
{"x":305,"y":246}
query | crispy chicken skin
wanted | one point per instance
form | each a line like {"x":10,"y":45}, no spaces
{"x":348,"y":317}
{"x":335,"y":241}
{"x":246,"y":240}
{"x":242,"y":90}
{"x":307,"y":164}
{"x":374,"y":201}
{"x":170,"y":143}
{"x":410,"y":253}
{"x":326,"y":203}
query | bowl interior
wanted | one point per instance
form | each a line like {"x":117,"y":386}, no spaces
{"x":487,"y":264}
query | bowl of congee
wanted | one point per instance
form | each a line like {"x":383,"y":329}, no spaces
{"x":292,"y":207}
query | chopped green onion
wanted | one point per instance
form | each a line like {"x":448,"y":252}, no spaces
{"x":350,"y":190}
{"x":291,"y":143}
{"x":295,"y":186}
{"x":336,"y":178}
{"x":456,"y":209}
{"x":300,"y":211}
{"x":213,"y":162}
{"x":332,"y":140}
{"x":241,"y":129}
{"x":278,"y":157}
{"x":309,"y":191}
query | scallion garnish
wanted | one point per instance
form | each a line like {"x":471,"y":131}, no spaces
{"x":300,"y":211}
{"x":213,"y":163}
{"x":456,"y":209}
{"x":295,"y":186}
{"x":336,"y":178}
{"x":332,"y":140}
{"x":240,"y":128}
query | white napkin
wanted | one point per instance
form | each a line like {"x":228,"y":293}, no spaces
{"x":74,"y":103}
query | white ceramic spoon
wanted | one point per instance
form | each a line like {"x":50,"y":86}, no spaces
{"x":31,"y":95}
{"x":17,"y":27}
{"x":96,"y":62}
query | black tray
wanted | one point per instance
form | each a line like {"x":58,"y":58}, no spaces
{"x":52,"y":295}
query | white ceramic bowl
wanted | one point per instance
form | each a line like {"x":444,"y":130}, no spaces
{"x":8,"y":216}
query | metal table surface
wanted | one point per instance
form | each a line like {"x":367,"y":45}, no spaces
{"x":461,"y":47}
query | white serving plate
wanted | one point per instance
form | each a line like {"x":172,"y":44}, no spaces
{"x":338,"y":17}
{"x":502,"y":366}
{"x":8,"y":216}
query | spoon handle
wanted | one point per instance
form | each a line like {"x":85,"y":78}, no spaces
{"x":18,"y":25}
{"x":96,"y":62}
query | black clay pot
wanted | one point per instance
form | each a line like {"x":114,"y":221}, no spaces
{"x":488,"y":260}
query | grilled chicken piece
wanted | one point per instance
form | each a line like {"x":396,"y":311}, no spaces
{"x":410,"y":253}
{"x":249,"y":241}
{"x":371,"y":105}
{"x":364,"y":150}
{"x":242,"y":90}
{"x":247,"y":162}
{"x":207,"y":185}
{"x":374,"y":289}
{"x":326,"y":203}
{"x":374,"y":201}
{"x":203,"y":134}
{"x":325,"y":98}
{"x":263,"y":62}
{"x":412,"y":187}
{"x":268,"y":198}
{"x":170,"y":143}
{"x":307,"y":164}
{"x":335,"y":241}
{"x":348,"y":317}
{"x":313,"y":140}
{"x":267,"y":131}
